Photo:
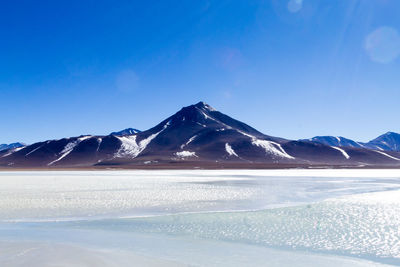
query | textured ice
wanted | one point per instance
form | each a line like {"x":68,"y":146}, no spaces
{"x":63,"y":195}
{"x":362,"y":226}
{"x":129,"y":249}
{"x":206,"y":218}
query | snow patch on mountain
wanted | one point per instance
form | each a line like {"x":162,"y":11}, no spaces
{"x":33,"y":150}
{"x":204,"y":114}
{"x":230,"y":150}
{"x":269,"y":146}
{"x":69,"y":148}
{"x":213,"y":119}
{"x":185,"y":154}
{"x":83,"y":138}
{"x":189,"y":141}
{"x":341,"y":151}
{"x":13,"y":151}
{"x":99,"y":141}
{"x":129,"y":146}
{"x":387,"y":155}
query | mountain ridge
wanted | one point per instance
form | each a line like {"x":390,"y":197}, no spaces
{"x":195,"y":136}
{"x":390,"y":141}
{"x":11,"y":146}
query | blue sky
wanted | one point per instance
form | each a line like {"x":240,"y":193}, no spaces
{"x":295,"y":68}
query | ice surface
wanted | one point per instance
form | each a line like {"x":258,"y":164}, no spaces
{"x":65,"y":195}
{"x":46,"y":254}
{"x":206,"y":218}
{"x":155,"y":250}
{"x":362,"y":226}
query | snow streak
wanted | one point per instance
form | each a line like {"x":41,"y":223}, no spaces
{"x":131,"y":148}
{"x":230,"y":150}
{"x":342,"y":151}
{"x":185,"y":154}
{"x":13,"y":151}
{"x":69,"y":148}
{"x":387,"y":155}
{"x":269,"y":146}
{"x":189,"y":141}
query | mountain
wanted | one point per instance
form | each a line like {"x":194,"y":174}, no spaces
{"x":10,"y":146}
{"x":127,"y":131}
{"x":195,"y":136}
{"x":199,"y":132}
{"x":389,"y":141}
{"x":335,"y":141}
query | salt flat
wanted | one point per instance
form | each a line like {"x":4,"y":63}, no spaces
{"x":206,"y":218}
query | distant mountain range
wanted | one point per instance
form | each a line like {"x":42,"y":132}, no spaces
{"x":386,"y":142}
{"x":127,"y":131}
{"x":10,"y":146}
{"x":198,"y":136}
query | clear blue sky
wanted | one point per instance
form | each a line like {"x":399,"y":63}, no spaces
{"x":294,"y":68}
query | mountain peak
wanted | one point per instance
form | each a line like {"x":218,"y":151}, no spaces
{"x":204,"y":105}
{"x":201,"y":104}
{"x":127,"y":131}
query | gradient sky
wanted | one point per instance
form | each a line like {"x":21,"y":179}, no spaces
{"x":294,"y":68}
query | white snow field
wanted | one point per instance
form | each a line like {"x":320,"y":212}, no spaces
{"x":200,"y":218}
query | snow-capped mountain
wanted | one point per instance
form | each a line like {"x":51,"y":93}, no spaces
{"x":11,"y":146}
{"x":127,"y":131}
{"x":195,"y":136}
{"x":335,"y":141}
{"x":200,"y":133}
{"x":389,"y":141}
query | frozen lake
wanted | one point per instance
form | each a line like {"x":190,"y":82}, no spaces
{"x":200,"y":218}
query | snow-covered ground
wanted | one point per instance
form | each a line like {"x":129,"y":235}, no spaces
{"x":206,"y":218}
